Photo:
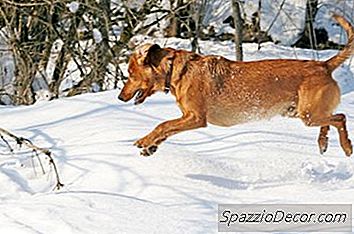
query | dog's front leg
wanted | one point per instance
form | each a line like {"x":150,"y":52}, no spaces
{"x":189,"y":121}
{"x":193,"y":107}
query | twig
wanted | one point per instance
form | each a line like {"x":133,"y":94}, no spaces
{"x":7,"y":143}
{"x":276,"y":17}
{"x":25,"y":4}
{"x":39,"y":160}
{"x":37,"y":150}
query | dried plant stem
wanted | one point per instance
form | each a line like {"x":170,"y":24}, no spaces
{"x":36,"y":150}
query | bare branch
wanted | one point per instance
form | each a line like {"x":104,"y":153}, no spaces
{"x":36,"y":150}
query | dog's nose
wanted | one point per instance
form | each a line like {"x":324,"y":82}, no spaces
{"x":120,"y":97}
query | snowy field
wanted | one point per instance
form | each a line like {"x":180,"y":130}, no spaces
{"x":109,"y":188}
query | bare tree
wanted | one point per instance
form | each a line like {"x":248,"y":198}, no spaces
{"x":27,"y":37}
{"x":85,"y":30}
{"x":236,"y":14}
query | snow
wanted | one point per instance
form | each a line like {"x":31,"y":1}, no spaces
{"x":73,"y":6}
{"x":288,"y":25}
{"x":109,"y":188}
{"x":54,"y":54}
{"x":97,"y":35}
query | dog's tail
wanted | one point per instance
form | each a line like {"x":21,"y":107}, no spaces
{"x":348,"y":50}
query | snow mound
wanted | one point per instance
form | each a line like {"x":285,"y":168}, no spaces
{"x":323,"y":171}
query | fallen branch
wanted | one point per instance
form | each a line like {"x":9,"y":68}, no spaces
{"x":36,"y":150}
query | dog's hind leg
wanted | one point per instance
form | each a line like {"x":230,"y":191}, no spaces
{"x":315,"y":109}
{"x":338,"y":121}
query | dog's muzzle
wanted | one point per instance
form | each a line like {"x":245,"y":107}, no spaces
{"x":120,"y":97}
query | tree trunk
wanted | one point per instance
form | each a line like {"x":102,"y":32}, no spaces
{"x":311,"y":10}
{"x":172,"y":29}
{"x":58,"y":74}
{"x":104,"y":53}
{"x":236,"y":14}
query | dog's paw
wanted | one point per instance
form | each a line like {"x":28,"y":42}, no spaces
{"x":148,"y":151}
{"x":348,"y":149}
{"x":323,"y":144}
{"x":147,"y":148}
{"x":142,"y":143}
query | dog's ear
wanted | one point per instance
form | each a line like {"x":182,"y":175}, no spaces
{"x":155,"y":56}
{"x":141,"y":52}
{"x":150,"y":54}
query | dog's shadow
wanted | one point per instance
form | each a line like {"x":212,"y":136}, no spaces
{"x":220,"y":181}
{"x":264,"y":139}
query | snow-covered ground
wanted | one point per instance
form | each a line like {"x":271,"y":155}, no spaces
{"x":109,"y":188}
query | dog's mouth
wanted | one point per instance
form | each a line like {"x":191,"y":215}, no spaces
{"x":140,"y":96}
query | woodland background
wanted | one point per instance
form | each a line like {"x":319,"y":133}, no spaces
{"x":54,"y":48}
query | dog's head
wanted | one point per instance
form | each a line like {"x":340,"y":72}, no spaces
{"x":149,"y":67}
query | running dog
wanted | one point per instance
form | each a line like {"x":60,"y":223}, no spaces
{"x":213,"y":89}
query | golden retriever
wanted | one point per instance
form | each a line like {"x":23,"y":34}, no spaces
{"x":213,"y":89}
